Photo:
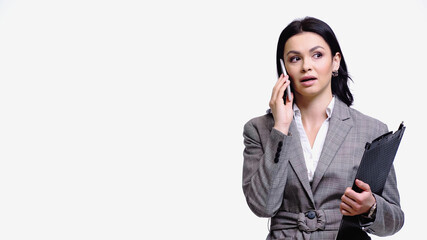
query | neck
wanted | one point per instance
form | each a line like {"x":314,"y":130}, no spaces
{"x":314,"y":109}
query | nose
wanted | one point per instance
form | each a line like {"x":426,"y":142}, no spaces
{"x":306,"y":66}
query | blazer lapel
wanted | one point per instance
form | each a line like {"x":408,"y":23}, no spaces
{"x":297,"y":160}
{"x":339,"y":126}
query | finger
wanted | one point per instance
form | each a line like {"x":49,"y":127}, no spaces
{"x":362,"y":185}
{"x":345,"y":209}
{"x":345,"y":213}
{"x":277,"y":86}
{"x":282,"y":89}
{"x":351,"y":194}
{"x":352,"y":206}
{"x":281,"y":78}
{"x":348,"y":201}
{"x":290,"y":98}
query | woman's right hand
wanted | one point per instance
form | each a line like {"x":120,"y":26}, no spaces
{"x":283,"y":114}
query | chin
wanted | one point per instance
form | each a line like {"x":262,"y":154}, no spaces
{"x":310,"y":93}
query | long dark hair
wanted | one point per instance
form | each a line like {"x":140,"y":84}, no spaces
{"x":309,"y":24}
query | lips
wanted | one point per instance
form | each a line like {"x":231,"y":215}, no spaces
{"x":308,"y":78}
{"x":308,"y":81}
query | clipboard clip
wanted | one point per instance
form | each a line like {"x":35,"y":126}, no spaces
{"x":368,"y":145}
{"x":382,"y":136}
{"x":401,"y":126}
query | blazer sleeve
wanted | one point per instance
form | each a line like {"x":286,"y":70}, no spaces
{"x":389,"y":216}
{"x":264,"y":168}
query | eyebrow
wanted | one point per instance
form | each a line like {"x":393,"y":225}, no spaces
{"x":311,"y":50}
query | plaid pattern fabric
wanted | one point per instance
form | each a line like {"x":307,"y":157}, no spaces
{"x":275,"y":176}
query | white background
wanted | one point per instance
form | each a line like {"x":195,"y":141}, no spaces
{"x":124,"y":119}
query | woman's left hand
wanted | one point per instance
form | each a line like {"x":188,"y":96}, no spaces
{"x":354,"y":203}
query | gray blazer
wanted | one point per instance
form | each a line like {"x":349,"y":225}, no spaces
{"x":276,"y":185}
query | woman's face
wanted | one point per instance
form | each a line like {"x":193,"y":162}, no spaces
{"x":309,"y":63}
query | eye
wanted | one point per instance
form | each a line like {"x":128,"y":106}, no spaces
{"x":294,"y":59}
{"x":318,"y":55}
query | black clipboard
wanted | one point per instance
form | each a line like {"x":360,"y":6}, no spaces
{"x":374,"y":169}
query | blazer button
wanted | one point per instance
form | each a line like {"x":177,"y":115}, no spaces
{"x":276,"y":158}
{"x":279,"y":146}
{"x":311,"y":214}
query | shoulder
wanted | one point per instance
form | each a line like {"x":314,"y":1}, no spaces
{"x":367,"y":124}
{"x":364,"y":119}
{"x":362,"y":124}
{"x":265,"y":121}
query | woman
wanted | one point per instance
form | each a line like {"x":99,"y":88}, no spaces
{"x":300,"y":159}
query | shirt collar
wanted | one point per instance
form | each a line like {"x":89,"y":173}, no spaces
{"x":329,"y":109}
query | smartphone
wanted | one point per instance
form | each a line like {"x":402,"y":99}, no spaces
{"x":288,"y":89}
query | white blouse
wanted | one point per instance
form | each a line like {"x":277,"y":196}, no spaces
{"x":312,"y":155}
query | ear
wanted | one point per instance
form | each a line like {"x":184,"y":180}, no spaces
{"x":336,"y":60}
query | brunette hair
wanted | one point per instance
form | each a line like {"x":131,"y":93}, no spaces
{"x":309,"y":24}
